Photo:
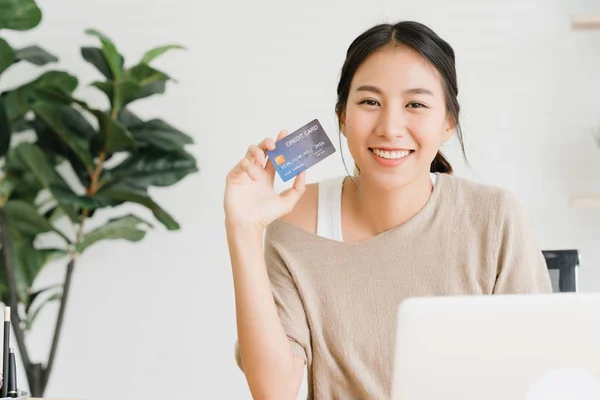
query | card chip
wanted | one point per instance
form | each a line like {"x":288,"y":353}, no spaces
{"x":280,"y":159}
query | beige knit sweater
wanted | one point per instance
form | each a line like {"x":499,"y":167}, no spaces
{"x":337,"y":301}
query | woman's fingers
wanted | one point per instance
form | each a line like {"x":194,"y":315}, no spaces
{"x":244,"y":166}
{"x":267,"y":144}
{"x":283,"y":133}
{"x":256,"y":155}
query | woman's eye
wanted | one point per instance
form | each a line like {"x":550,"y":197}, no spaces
{"x":416,"y":105}
{"x":369,"y":102}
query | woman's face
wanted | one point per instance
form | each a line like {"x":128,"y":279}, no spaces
{"x":395,"y":118}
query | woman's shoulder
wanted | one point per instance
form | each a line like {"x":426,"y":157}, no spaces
{"x":481,"y":196}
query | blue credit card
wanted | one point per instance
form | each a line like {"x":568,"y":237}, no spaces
{"x":300,"y":150}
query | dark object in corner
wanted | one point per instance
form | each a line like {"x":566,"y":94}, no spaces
{"x":12,"y":375}
{"x":563,"y":263}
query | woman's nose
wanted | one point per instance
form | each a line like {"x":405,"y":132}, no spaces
{"x":392,"y":123}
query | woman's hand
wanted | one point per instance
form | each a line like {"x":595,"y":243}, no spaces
{"x":250,"y":199}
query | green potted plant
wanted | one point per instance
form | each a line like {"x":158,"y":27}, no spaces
{"x":61,"y":160}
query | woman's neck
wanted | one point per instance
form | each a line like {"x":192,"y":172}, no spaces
{"x":373,"y":210}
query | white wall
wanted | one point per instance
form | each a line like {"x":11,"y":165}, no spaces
{"x":158,"y":316}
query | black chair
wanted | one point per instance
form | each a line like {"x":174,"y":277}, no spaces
{"x":562,"y":265}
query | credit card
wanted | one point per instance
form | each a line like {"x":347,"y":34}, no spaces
{"x":300,"y":150}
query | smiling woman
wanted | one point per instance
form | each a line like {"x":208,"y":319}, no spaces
{"x":406,"y":66}
{"x":340,"y":255}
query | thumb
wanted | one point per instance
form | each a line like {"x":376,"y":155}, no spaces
{"x":291,"y":196}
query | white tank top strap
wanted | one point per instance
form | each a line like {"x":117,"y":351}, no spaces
{"x":329,"y":214}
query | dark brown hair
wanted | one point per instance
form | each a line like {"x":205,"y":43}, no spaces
{"x":426,"y":43}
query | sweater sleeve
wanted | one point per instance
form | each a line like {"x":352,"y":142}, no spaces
{"x":287,"y":300}
{"x":521,"y":267}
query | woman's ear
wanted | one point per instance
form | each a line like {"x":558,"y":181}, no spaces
{"x":449,"y":128}
{"x":342,"y":122}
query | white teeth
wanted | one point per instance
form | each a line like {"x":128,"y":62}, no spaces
{"x":391,"y":155}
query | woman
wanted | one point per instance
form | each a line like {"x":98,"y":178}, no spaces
{"x":340,"y":255}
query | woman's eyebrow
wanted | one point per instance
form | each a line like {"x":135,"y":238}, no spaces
{"x":369,"y":88}
{"x":375,"y":89}
{"x":418,"y":91}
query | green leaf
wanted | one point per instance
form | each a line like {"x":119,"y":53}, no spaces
{"x":54,"y":214}
{"x":67,"y":197}
{"x":153,"y":168}
{"x":31,"y":317}
{"x":5,"y":129}
{"x":57,"y":151}
{"x":111,"y":55}
{"x":56,"y":94}
{"x":74,"y":120}
{"x":33,"y":296}
{"x":35,"y":55}
{"x":58,"y":79}
{"x":122,"y":193}
{"x":126,"y":227}
{"x":150,"y":81}
{"x":20,"y":125}
{"x":106,"y":87}
{"x":78,"y":124}
{"x":62,"y":120}
{"x":145,"y":74}
{"x":95,"y":56}
{"x":20,"y":280}
{"x":18,"y":101}
{"x":28,"y":262}
{"x":19,"y":15}
{"x":159,"y":134}
{"x":148,"y":90}
{"x":157,"y":52}
{"x":7,"y":185}
{"x":129,"y":119}
{"x":118,"y":93}
{"x":19,"y":185}
{"x":25,"y":217}
{"x":114,"y":135}
{"x":29,"y":156}
{"x":27,"y":220}
{"x":7,"y":55}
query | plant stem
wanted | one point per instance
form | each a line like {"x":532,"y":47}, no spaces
{"x":94,"y":186}
{"x":68,"y":278}
{"x":59,"y":323}
{"x":35,"y":379}
{"x":12,"y":292}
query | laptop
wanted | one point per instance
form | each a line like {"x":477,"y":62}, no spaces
{"x":501,"y":347}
